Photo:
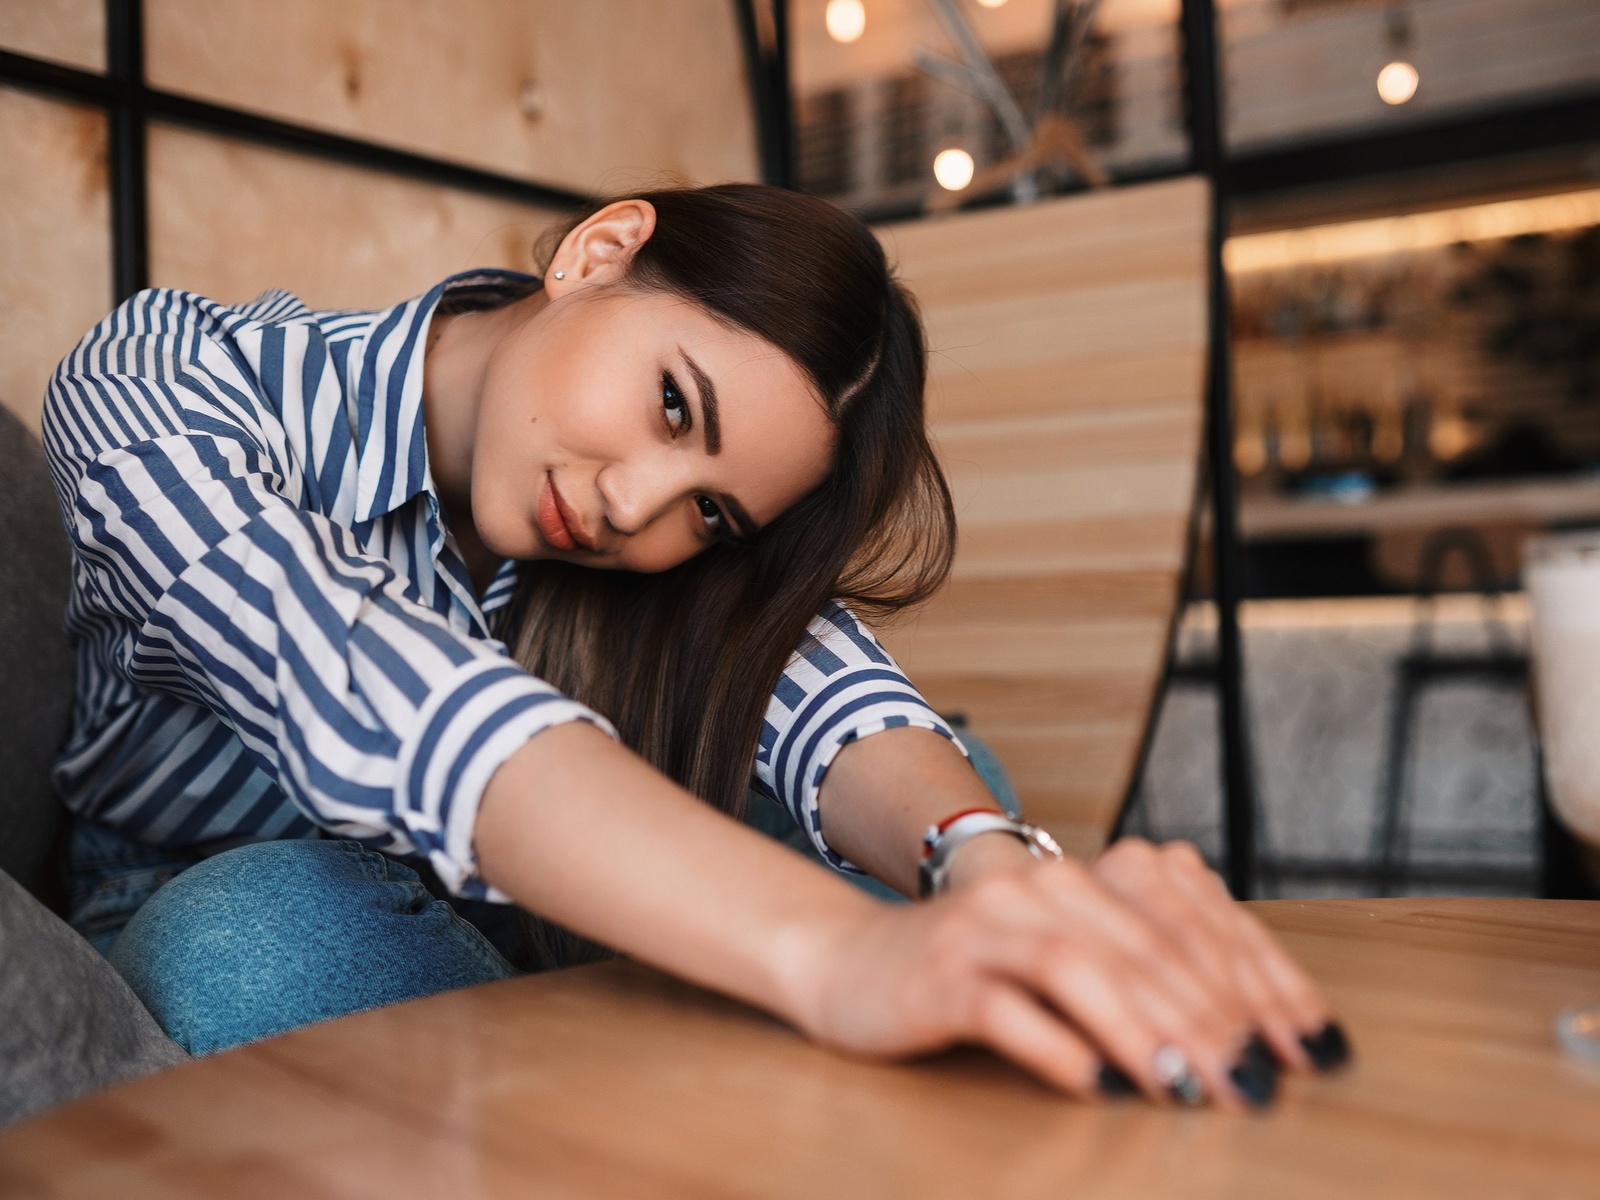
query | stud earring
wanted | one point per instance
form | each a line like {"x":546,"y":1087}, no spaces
{"x":561,"y":274}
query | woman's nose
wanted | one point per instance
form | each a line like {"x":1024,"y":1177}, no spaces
{"x":635,"y":494}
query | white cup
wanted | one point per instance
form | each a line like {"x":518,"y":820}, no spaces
{"x":1562,"y":575}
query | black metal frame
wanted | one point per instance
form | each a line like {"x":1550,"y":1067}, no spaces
{"x":1202,"y":91}
{"x":766,"y":56}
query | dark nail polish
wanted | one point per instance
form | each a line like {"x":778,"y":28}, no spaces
{"x":1255,"y":1075}
{"x":1258,"y":1050}
{"x":1328,"y":1048}
{"x":1114,"y":1082}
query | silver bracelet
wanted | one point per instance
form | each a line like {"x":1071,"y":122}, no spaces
{"x":941,"y":842}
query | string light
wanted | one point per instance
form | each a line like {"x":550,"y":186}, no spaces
{"x":953,"y":169}
{"x":1397,"y":82}
{"x":846,"y":19}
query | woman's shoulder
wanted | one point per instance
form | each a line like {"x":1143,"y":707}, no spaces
{"x":165,"y":359}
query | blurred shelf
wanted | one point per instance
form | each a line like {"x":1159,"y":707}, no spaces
{"x":1543,"y":502}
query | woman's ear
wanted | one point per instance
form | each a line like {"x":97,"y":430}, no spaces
{"x":599,"y":249}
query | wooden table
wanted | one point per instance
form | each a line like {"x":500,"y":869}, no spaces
{"x":614,"y":1081}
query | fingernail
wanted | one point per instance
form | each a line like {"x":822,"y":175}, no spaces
{"x":1115,"y":1083}
{"x":1328,"y":1048}
{"x":1255,"y":1075}
{"x":1258,"y":1050}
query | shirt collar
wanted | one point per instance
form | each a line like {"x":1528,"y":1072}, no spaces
{"x":391,"y":443}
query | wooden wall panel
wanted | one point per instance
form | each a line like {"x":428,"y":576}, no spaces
{"x":1068,"y":348}
{"x":55,"y":253}
{"x":620,"y":90}
{"x":68,"y":31}
{"x":229,"y":220}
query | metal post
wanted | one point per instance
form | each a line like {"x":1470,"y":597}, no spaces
{"x":764,"y":30}
{"x":781,"y":100}
{"x":130,"y":226}
{"x":1202,"y":90}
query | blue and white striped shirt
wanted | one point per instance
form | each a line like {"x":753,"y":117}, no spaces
{"x":275,"y":633}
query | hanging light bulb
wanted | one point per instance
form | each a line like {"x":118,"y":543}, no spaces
{"x":846,"y":19}
{"x":1397,"y":82}
{"x":953,"y":169}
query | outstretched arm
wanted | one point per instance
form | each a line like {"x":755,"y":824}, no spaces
{"x":1048,"y":964}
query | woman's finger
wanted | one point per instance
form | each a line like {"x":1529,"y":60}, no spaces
{"x":1186,"y":895}
{"x":1175,"y":889}
{"x":1066,"y":896}
{"x":1018,"y":1027}
{"x":1112,"y":1002}
{"x":1197,"y":1012}
{"x":1304,"y":1011}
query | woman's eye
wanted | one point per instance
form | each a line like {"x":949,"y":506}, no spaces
{"x":673,"y":405}
{"x":715,"y":521}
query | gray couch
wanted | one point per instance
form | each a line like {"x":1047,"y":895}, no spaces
{"x":68,"y":1023}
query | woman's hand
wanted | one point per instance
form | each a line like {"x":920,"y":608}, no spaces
{"x":1064,"y":968}
{"x":1061,"y":967}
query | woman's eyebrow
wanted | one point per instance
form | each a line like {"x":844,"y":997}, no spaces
{"x":708,"y":403}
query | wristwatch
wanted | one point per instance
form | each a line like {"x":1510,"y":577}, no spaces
{"x":941,"y":842}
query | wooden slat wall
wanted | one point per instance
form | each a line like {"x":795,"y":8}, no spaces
{"x":1068,"y":342}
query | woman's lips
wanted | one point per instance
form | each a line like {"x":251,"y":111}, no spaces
{"x":560,"y":526}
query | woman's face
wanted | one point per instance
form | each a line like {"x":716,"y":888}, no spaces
{"x":627,"y":429}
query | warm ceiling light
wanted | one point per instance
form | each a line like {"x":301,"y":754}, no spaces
{"x":953,"y":169}
{"x":991,"y":3}
{"x":846,"y":19}
{"x":1397,"y":82}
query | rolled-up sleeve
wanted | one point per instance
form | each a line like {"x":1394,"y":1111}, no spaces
{"x":372,"y":715}
{"x":840,"y":685}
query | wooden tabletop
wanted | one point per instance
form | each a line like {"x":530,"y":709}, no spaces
{"x":614,"y":1081}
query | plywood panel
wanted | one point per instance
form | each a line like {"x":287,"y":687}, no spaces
{"x":55,"y":255}
{"x":598,"y":96}
{"x":229,"y":220}
{"x":1042,"y":548}
{"x":68,"y":31}
{"x":1142,"y":375}
{"x":1068,"y":344}
{"x":1078,"y":595}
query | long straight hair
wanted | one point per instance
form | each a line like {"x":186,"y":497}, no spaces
{"x":683,"y":662}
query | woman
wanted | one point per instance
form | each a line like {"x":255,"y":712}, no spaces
{"x":293,"y":532}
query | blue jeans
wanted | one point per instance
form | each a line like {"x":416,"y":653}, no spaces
{"x":262,"y":938}
{"x":274,"y":935}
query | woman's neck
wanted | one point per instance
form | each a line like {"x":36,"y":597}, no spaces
{"x":455,"y":364}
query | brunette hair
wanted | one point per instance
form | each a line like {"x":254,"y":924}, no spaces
{"x":683,"y":662}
